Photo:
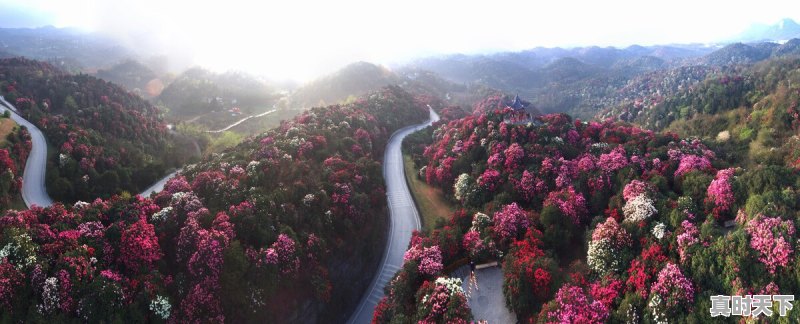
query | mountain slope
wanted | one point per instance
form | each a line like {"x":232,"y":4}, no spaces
{"x":107,"y":140}
{"x":353,"y":80}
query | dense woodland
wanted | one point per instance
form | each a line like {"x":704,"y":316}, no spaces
{"x":280,"y":228}
{"x":104,"y":139}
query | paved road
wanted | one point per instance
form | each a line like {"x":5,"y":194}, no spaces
{"x":33,"y":189}
{"x":485,"y":294}
{"x":159,"y":185}
{"x":404,"y":219}
{"x":241,"y":121}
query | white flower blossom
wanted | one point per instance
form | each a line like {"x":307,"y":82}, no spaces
{"x":659,"y":230}
{"x":49,"y":296}
{"x":161,"y":306}
{"x":162,"y":214}
{"x":638,"y":209}
{"x":480,"y":221}
{"x":602,"y":257}
{"x":80,"y":205}
{"x":461,"y":186}
{"x":308,"y":199}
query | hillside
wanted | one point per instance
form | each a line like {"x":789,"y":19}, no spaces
{"x":15,"y":145}
{"x":134,"y":76}
{"x":351,"y":81}
{"x":601,"y":222}
{"x":282,"y":228}
{"x":215,"y":100}
{"x":104,"y":139}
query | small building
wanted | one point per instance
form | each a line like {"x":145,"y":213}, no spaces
{"x":524,"y":112}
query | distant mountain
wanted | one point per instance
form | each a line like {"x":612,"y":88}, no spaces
{"x":353,"y":80}
{"x":783,"y":30}
{"x":135,"y":77}
{"x":739,"y":53}
{"x":67,"y":48}
{"x":198,"y":91}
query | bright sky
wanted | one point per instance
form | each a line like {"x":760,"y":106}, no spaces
{"x":298,"y":39}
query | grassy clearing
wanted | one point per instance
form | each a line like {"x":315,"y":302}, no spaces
{"x":6,"y":127}
{"x":430,"y":201}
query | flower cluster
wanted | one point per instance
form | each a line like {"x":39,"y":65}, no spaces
{"x":572,"y":305}
{"x":720,"y":192}
{"x":429,"y":259}
{"x":609,"y":241}
{"x":772,"y":238}
{"x":639,"y":209}
{"x":510,"y":221}
{"x":671,"y":292}
{"x":571,"y":203}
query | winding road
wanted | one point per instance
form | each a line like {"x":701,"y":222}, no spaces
{"x":33,"y":189}
{"x":34,"y":192}
{"x":404,"y":219}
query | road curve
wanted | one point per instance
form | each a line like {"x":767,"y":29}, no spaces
{"x":159,"y":185}
{"x":404,"y":219}
{"x":34,"y":192}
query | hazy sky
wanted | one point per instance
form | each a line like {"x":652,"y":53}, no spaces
{"x":300,"y":38}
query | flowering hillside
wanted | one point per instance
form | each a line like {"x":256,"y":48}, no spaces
{"x":282,"y":228}
{"x":598,"y":221}
{"x":107,"y":140}
{"x":14,"y":150}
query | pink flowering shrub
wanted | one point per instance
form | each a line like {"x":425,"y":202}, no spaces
{"x":691,"y":162}
{"x":573,"y":305}
{"x":510,"y":222}
{"x":636,"y":188}
{"x":773,"y":239}
{"x":429,"y":259}
{"x":720,"y":193}
{"x":514,"y":155}
{"x":442,"y":301}
{"x":489,"y":180}
{"x":529,"y":185}
{"x":571,"y":203}
{"x":689,"y":236}
{"x":614,"y":160}
{"x":671,"y":293}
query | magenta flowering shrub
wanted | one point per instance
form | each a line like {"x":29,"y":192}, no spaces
{"x":689,"y":162}
{"x":489,"y":180}
{"x":510,"y":222}
{"x":773,"y":239}
{"x":571,"y":203}
{"x":614,"y":160}
{"x":720,"y":193}
{"x":573,"y":305}
{"x":428,"y":259}
{"x":671,"y":293}
{"x":689,"y":236}
{"x":636,"y":188}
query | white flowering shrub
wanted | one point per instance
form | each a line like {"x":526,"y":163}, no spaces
{"x":603,"y":257}
{"x":160,"y":306}
{"x":461,"y":186}
{"x":162,"y":214}
{"x":638,"y":209}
